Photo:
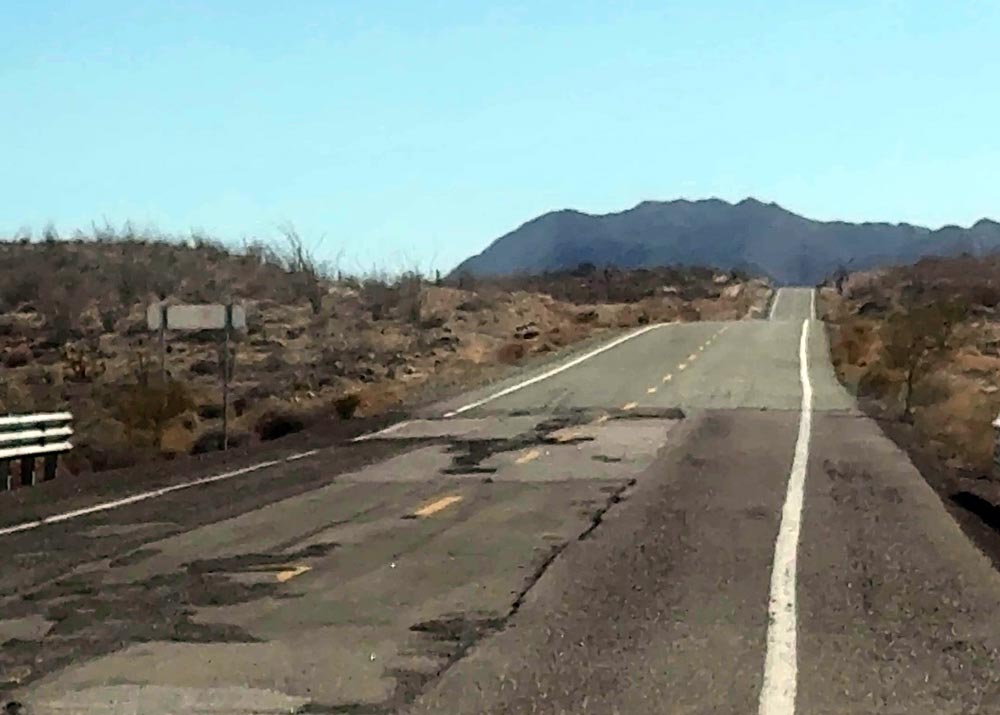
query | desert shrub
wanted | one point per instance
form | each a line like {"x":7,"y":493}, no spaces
{"x":913,"y":340}
{"x":62,"y":306}
{"x":212,"y":440}
{"x":510,"y":353}
{"x":305,"y":274}
{"x":81,"y":361}
{"x":210,"y":411}
{"x":205,"y":367}
{"x":878,"y":382}
{"x":347,"y":405}
{"x":145,"y":408}
{"x":19,"y":287}
{"x":18,"y":356}
{"x":277,"y":423}
{"x":409,"y":286}
{"x":473,"y":305}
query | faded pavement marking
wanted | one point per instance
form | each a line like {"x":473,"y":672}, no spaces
{"x":284,"y":576}
{"x":435,"y":506}
{"x":529,"y":456}
{"x":630,"y":406}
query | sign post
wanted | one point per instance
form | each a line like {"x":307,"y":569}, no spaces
{"x":225,"y":380}
{"x":212,"y":316}
{"x":163,"y":345}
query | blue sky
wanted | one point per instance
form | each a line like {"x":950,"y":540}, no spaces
{"x":410,"y":134}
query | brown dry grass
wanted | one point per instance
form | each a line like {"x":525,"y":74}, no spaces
{"x":944,"y":309}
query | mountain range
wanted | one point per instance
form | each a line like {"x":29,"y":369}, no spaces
{"x":761,"y":238}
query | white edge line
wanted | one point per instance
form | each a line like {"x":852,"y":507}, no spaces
{"x":107,"y":506}
{"x":774,"y":303}
{"x":555,"y":371}
{"x":20,"y":527}
{"x":381,"y":433}
{"x":812,"y":304}
{"x":777,"y":695}
{"x":301,"y":455}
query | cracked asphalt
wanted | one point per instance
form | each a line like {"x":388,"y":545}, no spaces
{"x":600,"y":541}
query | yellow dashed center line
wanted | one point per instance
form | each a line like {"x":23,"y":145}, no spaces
{"x":692,"y":357}
{"x":283,"y":576}
{"x":701,"y":348}
{"x":682,"y":366}
{"x":529,"y":456}
{"x":435,"y":506}
{"x":668,"y":377}
{"x":630,"y":406}
{"x":650,"y":391}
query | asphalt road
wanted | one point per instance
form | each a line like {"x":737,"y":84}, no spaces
{"x":693,"y":520}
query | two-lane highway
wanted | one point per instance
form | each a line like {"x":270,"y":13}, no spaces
{"x":692,"y":519}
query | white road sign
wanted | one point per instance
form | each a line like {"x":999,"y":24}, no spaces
{"x":210,"y":316}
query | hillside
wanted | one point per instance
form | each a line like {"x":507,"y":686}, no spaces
{"x":73,"y":335}
{"x":761,"y":238}
{"x":920,"y":347}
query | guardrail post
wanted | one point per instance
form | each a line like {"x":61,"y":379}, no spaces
{"x":51,"y":463}
{"x":27,"y":471}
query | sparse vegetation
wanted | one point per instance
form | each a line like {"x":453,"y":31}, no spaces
{"x":319,"y":345}
{"x":919,"y":344}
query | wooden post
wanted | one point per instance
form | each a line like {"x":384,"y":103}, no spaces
{"x":27,"y":471}
{"x":5,"y":484}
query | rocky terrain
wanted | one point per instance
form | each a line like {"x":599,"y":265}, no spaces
{"x":73,"y":335}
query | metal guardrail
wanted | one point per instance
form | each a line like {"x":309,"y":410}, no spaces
{"x":25,"y":438}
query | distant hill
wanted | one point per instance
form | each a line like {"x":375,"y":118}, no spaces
{"x":750,"y":235}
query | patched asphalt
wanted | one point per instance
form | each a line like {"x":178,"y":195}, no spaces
{"x":597,"y":542}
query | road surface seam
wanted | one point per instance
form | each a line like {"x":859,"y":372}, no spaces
{"x":555,"y":371}
{"x":777,"y":696}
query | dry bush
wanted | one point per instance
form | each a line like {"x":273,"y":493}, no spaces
{"x":511,"y":353}
{"x":305,"y":272}
{"x":278,"y":422}
{"x":105,"y":444}
{"x":393,"y":298}
{"x":347,"y":405}
{"x":145,"y":408}
{"x":213,"y":439}
{"x":913,"y":341}
{"x":18,"y":356}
